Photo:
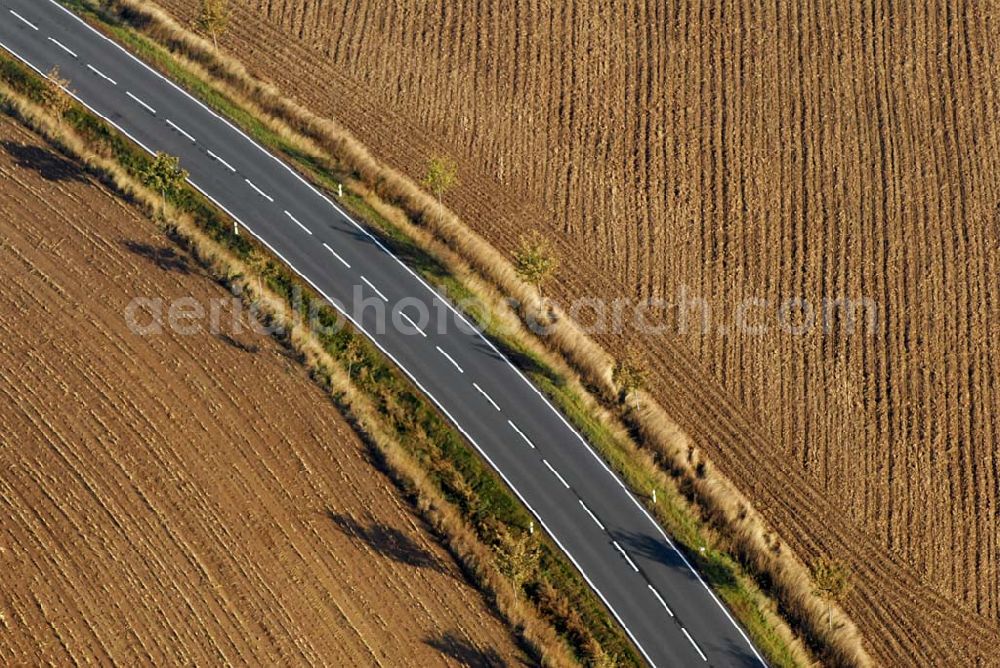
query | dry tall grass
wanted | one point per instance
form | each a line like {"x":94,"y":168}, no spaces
{"x":475,"y":557}
{"x":467,"y":254}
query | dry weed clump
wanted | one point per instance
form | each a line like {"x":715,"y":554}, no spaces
{"x":462,"y":250}
{"x":475,"y":558}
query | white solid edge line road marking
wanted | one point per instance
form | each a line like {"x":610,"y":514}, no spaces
{"x":413,"y":324}
{"x":148,"y":108}
{"x":625,"y":554}
{"x":101,"y":74}
{"x":23,"y":60}
{"x":296,"y":221}
{"x":62,"y":46}
{"x":337,"y":255}
{"x":450,"y":358}
{"x":377,"y":291}
{"x":24,"y":20}
{"x":448,"y":305}
{"x":336,"y":306}
{"x":660,"y":599}
{"x":430,"y":289}
{"x":488,"y":397}
{"x":521,"y":434}
{"x":224,"y":163}
{"x":556,"y":473}
{"x":592,"y":515}
{"x":371,"y":337}
{"x":693,"y":643}
{"x":444,"y":301}
{"x":181,"y":130}
{"x":259,"y":191}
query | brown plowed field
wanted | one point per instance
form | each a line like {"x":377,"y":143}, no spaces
{"x":818,"y":149}
{"x":186,"y":499}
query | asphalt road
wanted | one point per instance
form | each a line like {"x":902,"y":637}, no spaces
{"x":663,"y":604}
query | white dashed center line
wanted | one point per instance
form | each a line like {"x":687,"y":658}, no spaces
{"x":625,"y":554}
{"x":178,"y":128}
{"x":224,"y":163}
{"x":450,"y":358}
{"x":259,"y":191}
{"x":151,"y":110}
{"x":592,"y":515}
{"x":337,"y":255}
{"x":488,"y":397}
{"x":24,"y":20}
{"x":101,"y":74}
{"x":521,"y":434}
{"x":694,"y":644}
{"x":146,"y":106}
{"x":412,"y":324}
{"x":62,"y":46}
{"x":556,"y":473}
{"x":660,"y":599}
{"x":296,"y":221}
{"x":377,"y":291}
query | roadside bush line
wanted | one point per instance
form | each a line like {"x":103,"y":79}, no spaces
{"x":546,"y":602}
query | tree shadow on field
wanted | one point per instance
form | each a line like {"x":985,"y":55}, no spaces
{"x":387,"y":541}
{"x":250,"y":348}
{"x":164,"y":257}
{"x":462,"y":650}
{"x":47,"y":164}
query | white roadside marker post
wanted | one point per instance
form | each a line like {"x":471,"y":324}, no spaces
{"x":340,"y":190}
{"x":531,"y":527}
{"x":654,"y":495}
